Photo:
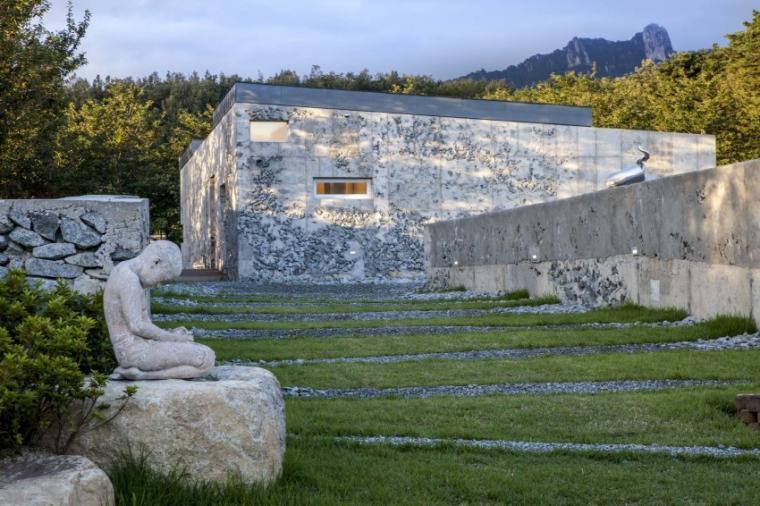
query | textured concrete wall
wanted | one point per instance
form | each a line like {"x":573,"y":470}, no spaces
{"x":201,"y":218}
{"x":696,"y":237}
{"x":78,"y":239}
{"x":423,"y":169}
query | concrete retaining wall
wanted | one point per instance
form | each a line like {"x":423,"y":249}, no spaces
{"x":79,"y":239}
{"x":690,"y":241}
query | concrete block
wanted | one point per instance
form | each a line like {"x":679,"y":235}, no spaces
{"x":462,"y":276}
{"x":608,"y":142}
{"x":660,"y":146}
{"x":720,"y":290}
{"x":605,"y":166}
{"x":533,"y":277}
{"x":587,"y":142}
{"x":490,"y":278}
{"x":706,"y":152}
{"x":663,"y":283}
{"x":685,"y":153}
{"x":755,"y":277}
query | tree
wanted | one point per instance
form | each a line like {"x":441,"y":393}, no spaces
{"x":34,"y":63}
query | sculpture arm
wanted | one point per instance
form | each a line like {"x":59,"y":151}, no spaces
{"x":139,"y":324}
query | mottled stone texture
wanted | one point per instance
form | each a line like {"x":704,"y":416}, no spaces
{"x":42,"y":479}
{"x":267,"y":225}
{"x":688,"y":241}
{"x":233,"y":425}
{"x":60,"y":238}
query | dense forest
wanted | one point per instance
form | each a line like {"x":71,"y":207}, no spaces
{"x":61,"y":135}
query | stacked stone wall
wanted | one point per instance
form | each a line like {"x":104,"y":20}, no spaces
{"x":77,"y":240}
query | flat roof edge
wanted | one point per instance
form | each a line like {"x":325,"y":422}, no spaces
{"x":394,"y":103}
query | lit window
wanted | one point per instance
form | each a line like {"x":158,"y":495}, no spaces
{"x":269,"y":131}
{"x":342,"y":188}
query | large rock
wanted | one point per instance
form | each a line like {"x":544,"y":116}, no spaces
{"x":86,"y":259}
{"x":27,"y":238}
{"x":4,"y":259}
{"x":3,"y":243}
{"x":235,"y":423}
{"x":79,"y":233}
{"x":20,"y":219}
{"x":42,"y":479}
{"x":6,"y":225}
{"x":94,"y":220}
{"x":46,"y":224}
{"x":51,"y":269}
{"x":54,"y":251}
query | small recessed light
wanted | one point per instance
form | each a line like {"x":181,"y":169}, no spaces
{"x":352,"y":252}
{"x":635,"y":251}
{"x":534,"y":257}
{"x":456,"y":263}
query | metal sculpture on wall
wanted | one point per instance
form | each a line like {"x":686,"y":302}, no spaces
{"x":632,"y":175}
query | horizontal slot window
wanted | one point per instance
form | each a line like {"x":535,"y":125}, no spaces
{"x":269,"y":131}
{"x":342,"y":188}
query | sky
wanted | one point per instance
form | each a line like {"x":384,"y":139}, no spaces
{"x":442,"y":38}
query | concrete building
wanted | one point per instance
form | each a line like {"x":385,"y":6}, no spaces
{"x":327,"y":185}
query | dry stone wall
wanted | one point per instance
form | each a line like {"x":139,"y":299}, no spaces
{"x":78,"y":240}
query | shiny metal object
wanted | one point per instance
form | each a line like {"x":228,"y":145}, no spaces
{"x":631,"y":175}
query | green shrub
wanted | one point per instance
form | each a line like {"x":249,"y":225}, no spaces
{"x":54,"y":352}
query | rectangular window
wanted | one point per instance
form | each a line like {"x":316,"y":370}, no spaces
{"x":269,"y":131}
{"x":343,"y":188}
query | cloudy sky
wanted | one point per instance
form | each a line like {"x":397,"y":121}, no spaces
{"x":441,"y":38}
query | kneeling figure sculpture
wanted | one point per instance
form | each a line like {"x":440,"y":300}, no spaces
{"x":143,"y":350}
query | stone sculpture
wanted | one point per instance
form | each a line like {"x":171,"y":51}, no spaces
{"x":143,"y":350}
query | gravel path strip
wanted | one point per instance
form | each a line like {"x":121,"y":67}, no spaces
{"x":536,"y":447}
{"x":371,"y":315}
{"x":581,"y":387}
{"x":416,"y":330}
{"x":744,"y":342}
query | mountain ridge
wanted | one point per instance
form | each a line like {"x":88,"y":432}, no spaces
{"x":612,"y":58}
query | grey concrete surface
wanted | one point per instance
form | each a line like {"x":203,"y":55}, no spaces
{"x":689,"y":241}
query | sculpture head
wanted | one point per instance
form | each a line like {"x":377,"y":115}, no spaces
{"x":160,"y":262}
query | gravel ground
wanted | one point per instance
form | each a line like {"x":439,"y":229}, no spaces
{"x":378,"y":315}
{"x":337,"y":292}
{"x":744,"y":341}
{"x":536,"y":447}
{"x":407,"y":330}
{"x":581,"y":387}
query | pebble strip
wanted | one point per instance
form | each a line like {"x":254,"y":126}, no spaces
{"x":302,"y":291}
{"x":744,"y":341}
{"x":370,"y":315}
{"x":581,"y":387}
{"x":536,"y":447}
{"x":407,"y":330}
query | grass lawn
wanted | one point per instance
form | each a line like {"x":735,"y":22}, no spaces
{"x":627,"y":313}
{"x":683,"y":417}
{"x":320,"y":470}
{"x":379,"y":307}
{"x":681,"y":364}
{"x":363,"y":346}
{"x":327,"y":473}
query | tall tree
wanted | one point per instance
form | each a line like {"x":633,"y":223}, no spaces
{"x":34,"y":64}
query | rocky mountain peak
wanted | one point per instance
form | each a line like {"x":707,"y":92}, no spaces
{"x":656,"y":40}
{"x":610,"y":58}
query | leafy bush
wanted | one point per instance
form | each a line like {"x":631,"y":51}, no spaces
{"x":50,"y":341}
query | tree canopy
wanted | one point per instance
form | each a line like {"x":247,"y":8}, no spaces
{"x":60,"y":137}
